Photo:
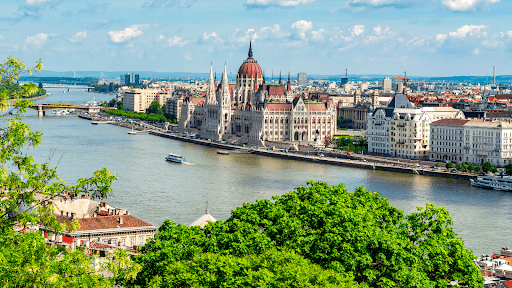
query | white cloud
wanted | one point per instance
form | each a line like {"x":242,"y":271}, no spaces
{"x":121,"y":36}
{"x":476,"y":51}
{"x":276,"y":3}
{"x":416,"y":41}
{"x":301,"y":27}
{"x":160,"y":38}
{"x":35,"y":2}
{"x":472,"y":30}
{"x":2,"y":37}
{"x":380,"y":31}
{"x":466,"y":5}
{"x":509,"y":33}
{"x":441,"y":38}
{"x":207,"y":36}
{"x":187,"y":56}
{"x":358,"y":29}
{"x":37,"y":40}
{"x":176,"y":41}
{"x":78,"y":37}
{"x":273,"y":32}
{"x":318,"y":35}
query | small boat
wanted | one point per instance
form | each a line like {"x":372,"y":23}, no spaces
{"x":222,"y":152}
{"x":132,"y":132}
{"x":175,"y":158}
{"x":502,"y":183}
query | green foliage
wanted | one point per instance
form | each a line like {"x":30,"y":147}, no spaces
{"x":141,"y":116}
{"x":458,"y":166}
{"x":438,"y":165}
{"x":154,"y":108}
{"x":487,"y":167}
{"x":270,"y":269}
{"x":25,"y":189}
{"x":471,"y":167}
{"x":356,"y":234}
{"x":477,"y":168}
{"x":14,"y":89}
{"x":508,"y":169}
{"x":28,"y":261}
{"x":449,"y":165}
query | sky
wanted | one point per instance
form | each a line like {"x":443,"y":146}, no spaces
{"x":422,"y":37}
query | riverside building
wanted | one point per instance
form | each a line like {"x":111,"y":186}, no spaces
{"x":138,"y":100}
{"x":401,"y":130}
{"x":474,"y":142}
{"x":253,"y":112}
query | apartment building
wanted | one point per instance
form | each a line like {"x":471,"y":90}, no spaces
{"x":474,"y":142}
{"x":138,"y":100}
{"x":401,"y":130}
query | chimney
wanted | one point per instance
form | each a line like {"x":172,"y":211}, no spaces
{"x":95,"y":214}
{"x":127,"y":212}
{"x":61,"y":213}
{"x":121,"y":220}
{"x":73,"y":216}
{"x":67,"y":214}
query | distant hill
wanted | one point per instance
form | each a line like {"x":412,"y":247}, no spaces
{"x":186,"y":75}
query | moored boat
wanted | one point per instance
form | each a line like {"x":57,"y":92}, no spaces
{"x":502,"y":183}
{"x":222,"y":152}
{"x":175,"y":158}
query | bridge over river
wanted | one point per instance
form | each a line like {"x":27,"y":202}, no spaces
{"x":41,"y":108}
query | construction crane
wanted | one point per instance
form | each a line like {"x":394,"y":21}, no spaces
{"x":405,"y":79}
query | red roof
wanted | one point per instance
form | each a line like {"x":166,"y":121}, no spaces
{"x":197,"y":101}
{"x":105,"y":222}
{"x":508,"y":283}
{"x":452,"y":121}
{"x":276,"y":90}
{"x":504,"y":96}
{"x":316,"y":107}
{"x":249,"y":69}
{"x":279,"y":106}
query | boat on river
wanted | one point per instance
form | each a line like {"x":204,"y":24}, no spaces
{"x":222,"y":152}
{"x":132,"y":132}
{"x":175,"y":158}
{"x":502,"y":183}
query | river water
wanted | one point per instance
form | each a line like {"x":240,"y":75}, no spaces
{"x":155,"y":190}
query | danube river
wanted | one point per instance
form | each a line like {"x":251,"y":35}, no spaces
{"x":155,"y":190}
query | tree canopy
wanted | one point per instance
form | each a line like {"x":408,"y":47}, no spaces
{"x":26,"y":189}
{"x":357,"y":235}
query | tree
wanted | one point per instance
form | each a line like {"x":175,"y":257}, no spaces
{"x":356,"y":234}
{"x":458,"y":166}
{"x":449,"y":165}
{"x":487,"y":167}
{"x":471,"y":167}
{"x":327,"y":141}
{"x":154,"y":108}
{"x":26,"y":189}
{"x":437,"y":165}
{"x":477,"y":168}
{"x":508,"y":168}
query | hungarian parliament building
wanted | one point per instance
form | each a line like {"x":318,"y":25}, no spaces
{"x":252,"y":112}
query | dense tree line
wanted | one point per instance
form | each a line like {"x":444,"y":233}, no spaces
{"x":155,"y":113}
{"x":12,"y":89}
{"x":343,"y":237}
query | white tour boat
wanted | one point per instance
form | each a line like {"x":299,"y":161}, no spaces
{"x":503,"y":183}
{"x":175,"y":158}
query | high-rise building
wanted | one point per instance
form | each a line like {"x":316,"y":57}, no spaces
{"x":344,"y":80}
{"x":129,"y":79}
{"x":302,"y":79}
{"x":386,"y":84}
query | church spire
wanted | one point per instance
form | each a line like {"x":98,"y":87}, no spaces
{"x":225,"y":95}
{"x":280,"y":82}
{"x":250,"y":49}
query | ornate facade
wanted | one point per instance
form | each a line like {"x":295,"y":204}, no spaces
{"x":253,"y":112}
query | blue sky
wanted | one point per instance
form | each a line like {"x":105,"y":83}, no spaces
{"x":422,"y":37}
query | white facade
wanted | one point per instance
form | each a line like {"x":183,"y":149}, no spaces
{"x":400,"y":130}
{"x":474,"y":142}
{"x":138,"y":100}
{"x":386,"y":84}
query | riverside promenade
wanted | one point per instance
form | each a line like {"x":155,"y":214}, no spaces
{"x":321,"y":157}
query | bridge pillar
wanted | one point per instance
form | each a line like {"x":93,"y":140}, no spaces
{"x":40,"y":111}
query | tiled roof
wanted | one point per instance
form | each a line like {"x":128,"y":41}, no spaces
{"x":279,"y":106}
{"x":197,"y":101}
{"x":316,"y":107}
{"x":250,"y":69}
{"x":452,"y":121}
{"x":105,"y":222}
{"x":504,"y":96}
{"x":276,"y":90}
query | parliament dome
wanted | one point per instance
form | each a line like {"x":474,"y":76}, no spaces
{"x":250,"y":68}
